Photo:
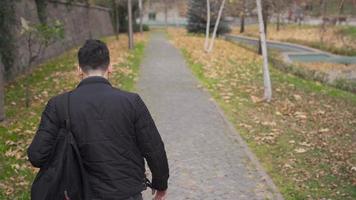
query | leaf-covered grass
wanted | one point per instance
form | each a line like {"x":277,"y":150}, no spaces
{"x":349,"y":31}
{"x":49,"y":79}
{"x":304,"y":138}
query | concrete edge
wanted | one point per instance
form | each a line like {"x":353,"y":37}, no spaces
{"x":78,"y":4}
{"x":283,"y":43}
{"x":233,"y":134}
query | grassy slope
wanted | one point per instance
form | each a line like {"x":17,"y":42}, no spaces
{"x":304,"y":116}
{"x":49,"y":79}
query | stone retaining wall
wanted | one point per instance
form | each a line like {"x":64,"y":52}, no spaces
{"x":80,"y":23}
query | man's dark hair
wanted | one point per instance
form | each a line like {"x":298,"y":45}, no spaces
{"x":93,"y":55}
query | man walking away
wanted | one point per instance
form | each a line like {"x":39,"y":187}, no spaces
{"x":113,"y":129}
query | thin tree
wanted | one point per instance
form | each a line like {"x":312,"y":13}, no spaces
{"x":323,"y":24}
{"x":43,"y":35}
{"x":341,"y":10}
{"x":278,"y":6}
{"x":176,"y":12}
{"x":2,"y":92}
{"x":264,"y":11}
{"x":165,"y":13}
{"x":266,"y":76}
{"x":87,"y":6}
{"x":206,"y":45}
{"x":130,"y":32}
{"x":216,"y":26}
{"x":242,"y":17}
{"x":141,"y":15}
{"x":115,"y":18}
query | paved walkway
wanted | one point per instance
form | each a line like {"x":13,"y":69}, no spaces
{"x":207,"y":158}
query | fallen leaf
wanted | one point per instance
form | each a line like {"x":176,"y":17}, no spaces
{"x":300,"y":150}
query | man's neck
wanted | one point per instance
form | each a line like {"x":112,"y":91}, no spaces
{"x":95,"y":74}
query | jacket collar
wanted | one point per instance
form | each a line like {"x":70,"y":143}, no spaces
{"x":93,"y":79}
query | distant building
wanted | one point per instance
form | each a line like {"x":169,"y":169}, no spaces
{"x":155,"y":12}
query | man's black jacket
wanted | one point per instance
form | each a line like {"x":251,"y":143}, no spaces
{"x":114,"y":131}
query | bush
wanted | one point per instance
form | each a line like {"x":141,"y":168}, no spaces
{"x":136,"y":28}
{"x":197,"y":17}
{"x":146,"y":27}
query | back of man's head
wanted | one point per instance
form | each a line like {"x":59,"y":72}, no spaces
{"x":94,"y":55}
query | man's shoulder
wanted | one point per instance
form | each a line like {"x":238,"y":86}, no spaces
{"x":59,"y":97}
{"x":125,"y":94}
{"x":119,"y":93}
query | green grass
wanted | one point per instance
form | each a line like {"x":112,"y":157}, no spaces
{"x":274,"y":155}
{"x":48,"y":79}
{"x":308,"y":84}
{"x":128,"y":82}
{"x":349,"y":31}
{"x":325,"y":47}
{"x":344,"y":31}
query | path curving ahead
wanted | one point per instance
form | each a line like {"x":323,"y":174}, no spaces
{"x":207,"y":158}
{"x":296,"y":52}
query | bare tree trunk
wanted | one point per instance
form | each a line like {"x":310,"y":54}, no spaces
{"x":323,"y":24}
{"x":266,"y":76}
{"x":278,"y":21}
{"x":114,"y":18}
{"x":141,"y":15}
{"x":265,"y":19}
{"x":206,"y":45}
{"x":118,"y":23}
{"x":2,"y":92}
{"x":176,"y":12}
{"x":341,"y":10}
{"x":324,"y":7}
{"x":242,"y":23}
{"x":216,"y":26}
{"x":165,"y":13}
{"x":242,"y":18}
{"x":88,"y":18}
{"x":130,"y":32}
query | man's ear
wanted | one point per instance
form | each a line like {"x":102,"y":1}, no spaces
{"x":110,"y":68}
{"x":80,"y":71}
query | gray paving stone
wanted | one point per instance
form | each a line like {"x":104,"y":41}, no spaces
{"x":206,"y":162}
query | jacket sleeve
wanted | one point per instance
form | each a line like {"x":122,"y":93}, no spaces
{"x":41,"y":146}
{"x":151,"y":145}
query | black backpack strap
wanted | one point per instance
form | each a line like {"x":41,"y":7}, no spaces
{"x":67,"y":111}
{"x":63,"y":110}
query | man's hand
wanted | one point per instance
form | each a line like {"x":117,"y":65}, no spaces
{"x":160,"y":195}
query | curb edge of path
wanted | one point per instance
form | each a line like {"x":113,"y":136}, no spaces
{"x":234,"y":134}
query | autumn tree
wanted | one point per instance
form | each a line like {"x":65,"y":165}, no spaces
{"x":242,"y":16}
{"x":278,"y":7}
{"x":207,"y":31}
{"x":197,"y":17}
{"x":130,"y":29}
{"x":218,"y":19}
{"x":240,"y":9}
{"x":115,"y":17}
{"x":140,"y":7}
{"x":266,"y":75}
{"x":2,"y":91}
{"x":265,"y":5}
{"x":38,"y":38}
